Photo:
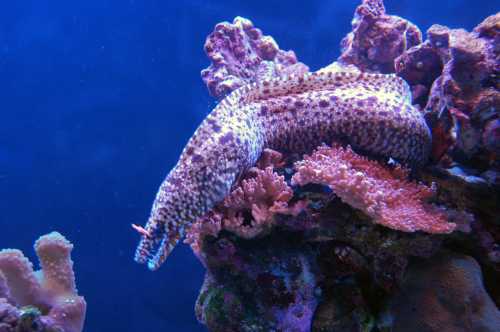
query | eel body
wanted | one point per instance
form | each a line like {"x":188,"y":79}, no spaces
{"x":371,"y":112}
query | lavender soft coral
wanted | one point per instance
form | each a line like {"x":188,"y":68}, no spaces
{"x":45,"y":300}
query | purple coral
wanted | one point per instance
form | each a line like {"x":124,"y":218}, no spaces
{"x":9,"y":314}
{"x":455,"y":72}
{"x":241,"y":54}
{"x":377,"y":38}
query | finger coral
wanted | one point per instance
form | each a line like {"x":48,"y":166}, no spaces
{"x":44,"y":300}
{"x":383,"y":194}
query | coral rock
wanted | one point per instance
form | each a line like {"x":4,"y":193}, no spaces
{"x":377,"y":38}
{"x":263,"y":286}
{"x":455,"y":76}
{"x":444,"y":294}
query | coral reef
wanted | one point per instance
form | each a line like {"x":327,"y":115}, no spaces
{"x":368,"y":234}
{"x":44,"y":300}
{"x":298,"y":262}
{"x":293,"y":113}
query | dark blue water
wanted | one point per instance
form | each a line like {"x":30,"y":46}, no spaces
{"x":97,"y":99}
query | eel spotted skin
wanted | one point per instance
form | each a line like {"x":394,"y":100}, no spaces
{"x":371,"y":112}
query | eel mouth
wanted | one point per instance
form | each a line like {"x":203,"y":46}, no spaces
{"x":154,"y":246}
{"x":148,"y":252}
{"x":150,"y":247}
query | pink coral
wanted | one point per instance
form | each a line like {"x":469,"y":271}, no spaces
{"x":52,"y":289}
{"x":381,"y":193}
{"x":250,"y":208}
{"x":270,"y":157}
{"x":263,"y":196}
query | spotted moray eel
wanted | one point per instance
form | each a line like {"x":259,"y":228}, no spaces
{"x":371,"y":112}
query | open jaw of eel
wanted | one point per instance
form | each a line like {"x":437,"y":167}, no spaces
{"x":371,"y":112}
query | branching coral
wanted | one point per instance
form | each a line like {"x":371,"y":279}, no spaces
{"x":46,"y":299}
{"x":250,"y":208}
{"x":381,"y":193}
{"x":263,"y":195}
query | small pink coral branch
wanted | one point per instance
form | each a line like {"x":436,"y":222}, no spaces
{"x":383,"y":194}
{"x":263,"y":196}
{"x":260,"y":196}
{"x":51,"y":290}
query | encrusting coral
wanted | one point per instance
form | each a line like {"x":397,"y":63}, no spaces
{"x":44,"y":300}
{"x":444,"y":294}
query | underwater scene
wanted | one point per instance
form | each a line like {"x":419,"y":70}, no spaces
{"x":254,"y":166}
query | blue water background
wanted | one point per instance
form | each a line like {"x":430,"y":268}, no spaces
{"x":97,"y":99}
